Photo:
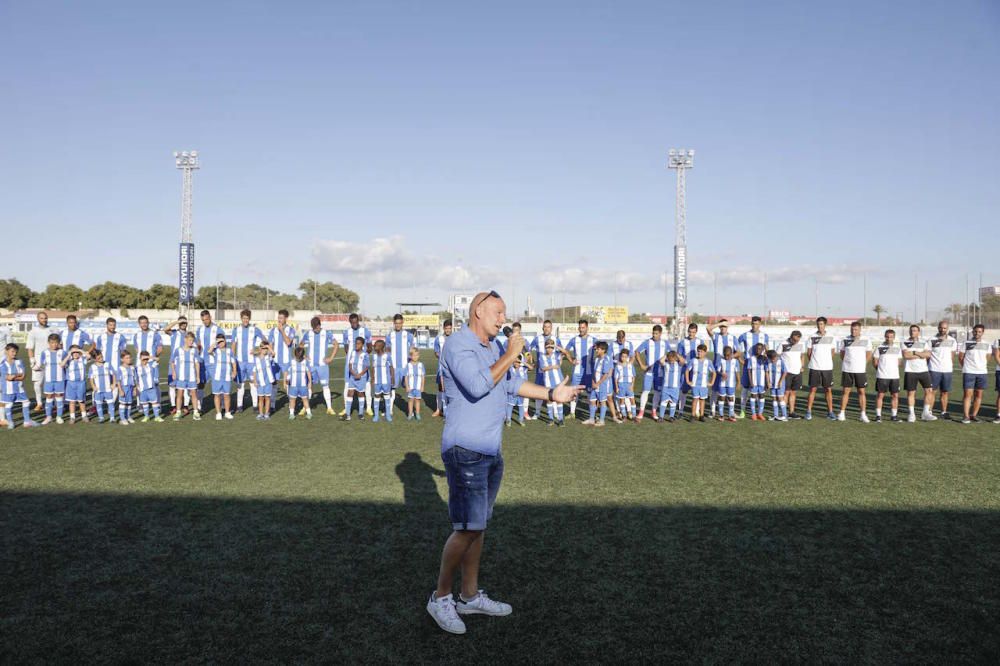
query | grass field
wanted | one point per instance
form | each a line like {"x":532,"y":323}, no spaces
{"x":319,"y":541}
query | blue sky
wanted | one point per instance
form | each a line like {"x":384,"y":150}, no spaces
{"x":509,"y":145}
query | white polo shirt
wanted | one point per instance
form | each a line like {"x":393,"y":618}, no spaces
{"x":976,"y":355}
{"x":943,"y":352}
{"x":887,"y":359}
{"x":915,"y":365}
{"x":855,"y":354}
{"x":822,"y":347}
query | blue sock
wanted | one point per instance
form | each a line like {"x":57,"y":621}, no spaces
{"x":753,"y":405}
{"x":156,"y":409}
{"x":760,"y":406}
{"x":604,"y":410}
{"x":732,"y":407}
{"x":99,"y":406}
{"x":48,"y":408}
{"x":663,"y":409}
{"x":510,"y":411}
{"x":145,"y":410}
{"x":60,"y":403}
{"x":593,"y":410}
{"x":774,"y":407}
{"x":552,"y":413}
{"x":9,"y":411}
{"x":673,"y":410}
{"x":784,"y":409}
{"x":121,"y":413}
{"x":521,"y":411}
{"x":26,"y":411}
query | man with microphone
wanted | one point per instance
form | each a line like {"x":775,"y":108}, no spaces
{"x":476,"y":387}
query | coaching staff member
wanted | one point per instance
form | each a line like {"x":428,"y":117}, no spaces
{"x":476,"y":388}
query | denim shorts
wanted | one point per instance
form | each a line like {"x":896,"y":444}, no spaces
{"x":473,"y":483}
{"x":941,"y":381}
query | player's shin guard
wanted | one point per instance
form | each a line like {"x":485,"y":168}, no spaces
{"x":642,"y":402}
{"x":743,"y":400}
{"x":122,"y":412}
{"x":604,"y":410}
{"x":49,"y":404}
{"x":784,"y":410}
{"x":327,"y":398}
{"x":593,"y":410}
{"x":9,"y":413}
{"x":368,"y":392}
{"x":392,"y":401}
{"x":731,"y":400}
{"x":774,"y":407}
{"x":99,"y":407}
{"x":241,"y":391}
{"x":145,"y":410}
{"x":753,"y":405}
{"x":253,"y":395}
{"x":376,"y":406}
{"x":715,"y":401}
{"x":60,"y":404}
{"x":361,"y":404}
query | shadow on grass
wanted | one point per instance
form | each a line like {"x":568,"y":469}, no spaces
{"x":99,"y":578}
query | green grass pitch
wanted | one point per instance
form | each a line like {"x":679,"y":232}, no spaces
{"x":319,"y":541}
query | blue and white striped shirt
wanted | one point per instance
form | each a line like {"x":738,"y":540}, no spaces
{"x":185,"y":363}
{"x":727,"y":371}
{"x":206,"y":339}
{"x":245,"y":338}
{"x":50,"y":361}
{"x":76,"y":369}
{"x":399,"y":344}
{"x":720,"y":342}
{"x":698,"y":372}
{"x":263,"y":373}
{"x":11,"y":369}
{"x":672,"y":373}
{"x":749,"y":340}
{"x":688,"y":347}
{"x":281,"y":350}
{"x":125,"y":376}
{"x":415,"y":373}
{"x":298,"y":374}
{"x":774,"y":372}
{"x":554,"y":376}
{"x":177,"y":341}
{"x":353,"y":333}
{"x":222,"y":368}
{"x":78,"y":337}
{"x":602,"y":365}
{"x":111,"y":346}
{"x":318,"y":344}
{"x":653,"y":351}
{"x":359,"y":363}
{"x":147,"y":341}
{"x":624,"y":376}
{"x":582,"y":349}
{"x":756,"y":370}
{"x":380,"y":368}
{"x":146,"y":377}
{"x":100,"y":374}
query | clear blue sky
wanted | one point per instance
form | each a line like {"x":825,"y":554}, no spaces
{"x":463,"y":145}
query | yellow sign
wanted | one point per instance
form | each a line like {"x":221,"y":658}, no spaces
{"x":421,"y":321}
{"x":604,"y":314}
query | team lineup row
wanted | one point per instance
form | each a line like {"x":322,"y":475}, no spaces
{"x":752,"y":362}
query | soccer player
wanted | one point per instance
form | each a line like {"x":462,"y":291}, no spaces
{"x":111,"y":343}
{"x":776,"y":374}
{"x":700,"y":375}
{"x":941,"y":364}
{"x":322,"y":349}
{"x":996,"y":359}
{"x":357,"y":367}
{"x":184,"y":368}
{"x":415,"y":374}
{"x":600,"y":382}
{"x":624,"y":380}
{"x":102,"y":386}
{"x":755,"y":377}
{"x":282,"y":339}
{"x":579,"y":351}
{"x":440,"y":404}
{"x":38,"y":341}
{"x":224,"y":371}
{"x":536,"y":348}
{"x":650,"y":355}
{"x":917,"y":352}
{"x":74,"y":335}
{"x":245,"y":340}
{"x":821,"y":346}
{"x":148,"y":340}
{"x":383,"y":379}
{"x":886,"y":357}
{"x":519,"y":370}
{"x":687,"y":349}
{"x":727,"y":377}
{"x":126,"y":378}
{"x":855,"y":355}
{"x":148,"y":383}
{"x":670,"y":393}
{"x":747,"y":342}
{"x":208,"y":335}
{"x":354,"y":331}
{"x":719,"y":341}
{"x":262,"y":376}
{"x":620,"y":344}
{"x":53,"y":370}
{"x":75,"y":364}
{"x":177,"y":330}
{"x":12,"y":387}
{"x":298,"y":383}
{"x":550,"y":367}
{"x":972,"y":355}
{"x":793,"y":354}
{"x":398,"y":343}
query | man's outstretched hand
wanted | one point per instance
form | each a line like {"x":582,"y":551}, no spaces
{"x":564,"y":392}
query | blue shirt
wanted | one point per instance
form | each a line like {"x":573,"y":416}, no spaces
{"x":477,"y":407}
{"x":399,"y":344}
{"x":77,"y":337}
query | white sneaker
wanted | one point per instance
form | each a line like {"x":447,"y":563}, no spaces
{"x":229,"y":416}
{"x":482,"y":605}
{"x":841,"y":417}
{"x":864,"y":418}
{"x":911,"y":418}
{"x":589,"y":422}
{"x":443,"y":612}
{"x":927,"y":416}
{"x":218,"y":416}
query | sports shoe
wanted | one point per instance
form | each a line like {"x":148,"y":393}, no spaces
{"x":482,"y":605}
{"x":928,"y":416}
{"x":878,"y":418}
{"x":369,"y":412}
{"x":10,"y":425}
{"x":974,"y":419}
{"x":443,"y":612}
{"x":145,"y":419}
{"x":742,"y":415}
{"x":864,"y":418}
{"x":309,"y":416}
{"x":831,"y":416}
{"x":229,"y":416}
{"x":966,"y":420}
{"x":291,"y":417}
{"x":946,"y":416}
{"x":589,"y":422}
{"x":342,"y":412}
{"x":809,"y":416}
{"x":59,"y":420}
{"x":912,"y":418}
{"x":260,"y":417}
{"x":417,"y":416}
{"x":895,"y":419}
{"x":123,"y":422}
{"x":996,"y":420}
{"x":158,"y":419}
{"x":177,"y":416}
{"x":783,"y":419}
{"x":197,"y":416}
{"x":30,"y":423}
{"x":330,"y":412}
{"x":841,"y":416}
{"x":599,"y":424}
{"x":218,"y":416}
{"x":48,"y":420}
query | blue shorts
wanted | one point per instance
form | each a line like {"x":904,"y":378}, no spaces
{"x":263,"y":390}
{"x":626,"y":393}
{"x":778,"y":392}
{"x":320,"y":374}
{"x":414,"y":393}
{"x":126,"y":394}
{"x":599,"y":394}
{"x":652,"y":381}
{"x":298,"y":391}
{"x":699,"y":391}
{"x":54,"y":387}
{"x":170,"y":380}
{"x":203,"y":373}
{"x":357,"y":384}
{"x":685,"y":387}
{"x":221,"y":386}
{"x":398,"y":377}
{"x":670,"y":395}
{"x":185,"y":385}
{"x":76,"y":391}
{"x":973,"y":381}
{"x":11,"y":398}
{"x":473,"y":483}
{"x":149,"y":396}
{"x":757,"y":390}
{"x":941,"y":381}
{"x":726,"y":390}
{"x":244,"y":371}
{"x":104,"y":396}
{"x":279,"y":369}
{"x":381,"y":388}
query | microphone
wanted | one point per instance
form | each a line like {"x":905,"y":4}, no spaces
{"x":507,"y":331}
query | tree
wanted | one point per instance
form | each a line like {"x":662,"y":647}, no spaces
{"x":878,"y":310}
{"x":955,"y":311}
{"x":58,"y":297}
{"x":112,"y":295}
{"x":328,"y":297}
{"x":14,"y":295}
{"x":160,"y":297}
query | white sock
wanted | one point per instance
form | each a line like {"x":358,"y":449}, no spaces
{"x":253,"y":395}
{"x":642,"y":402}
{"x":572,"y":407}
{"x":392,"y":398}
{"x":911,"y":411}
{"x":187,"y":399}
{"x":173,"y":397}
{"x":526,"y":403}
{"x":326,"y":398}
{"x":240,"y":392}
{"x":743,"y":400}
{"x":361,"y":406}
{"x":368,"y":392}
{"x":715,"y":399}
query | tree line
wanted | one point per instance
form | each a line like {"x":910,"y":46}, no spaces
{"x":323,"y":296}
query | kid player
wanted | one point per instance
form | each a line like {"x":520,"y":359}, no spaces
{"x":600,"y":384}
{"x":224,"y":371}
{"x":176,"y":344}
{"x":624,"y":380}
{"x":688,"y":351}
{"x":125,"y":376}
{"x":440,"y":404}
{"x":720,"y":341}
{"x":755,"y":377}
{"x":263,"y":378}
{"x":700,"y":375}
{"x":415,"y":375}
{"x":353,"y":332}
{"x":357,"y":368}
{"x":147,"y":380}
{"x":54,"y":378}
{"x":185,"y":369}
{"x":550,"y":367}
{"x":670,"y":393}
{"x":748,"y":342}
{"x":383,"y":379}
{"x":298,"y":384}
{"x":536,"y":348}
{"x":102,"y":386}
{"x":12,"y":388}
{"x":886,"y":357}
{"x":727,"y":377}
{"x":322,"y":349}
{"x":518,"y":370}
{"x":76,"y":383}
{"x":776,"y":373}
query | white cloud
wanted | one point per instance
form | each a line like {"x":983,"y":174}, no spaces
{"x":833,"y":274}
{"x":574,"y":280}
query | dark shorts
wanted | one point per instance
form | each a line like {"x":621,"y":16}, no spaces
{"x":941,"y":381}
{"x":887,"y":385}
{"x":793,"y":382}
{"x":998,"y":381}
{"x":912,"y":379}
{"x":820,"y":379}
{"x":473,"y":483}
{"x":973,"y":381}
{"x":857,"y":380}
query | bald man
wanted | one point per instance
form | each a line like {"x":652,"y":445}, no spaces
{"x":476,"y":385}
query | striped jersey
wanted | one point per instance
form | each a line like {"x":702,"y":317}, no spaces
{"x":749,"y":340}
{"x":415,"y":376}
{"x":720,"y":342}
{"x":221,"y":361}
{"x":177,"y":341}
{"x":111,"y":345}
{"x":263,"y":373}
{"x":755,"y":367}
{"x":688,"y":347}
{"x":399,"y":344}
{"x":652,"y":351}
{"x":624,"y":376}
{"x":246,"y":338}
{"x":537,"y":345}
{"x":358,"y":362}
{"x":76,"y":369}
{"x":100,"y":375}
{"x":125,"y":376}
{"x":206,"y":339}
{"x":11,"y":369}
{"x":554,"y":376}
{"x":298,"y":374}
{"x":282,"y":350}
{"x":51,"y":365}
{"x":727,"y":371}
{"x":602,"y":366}
{"x":698,"y":372}
{"x":185,"y":364}
{"x":147,"y":341}
{"x":439,"y":344}
{"x":351,"y":334}
{"x":617,"y":347}
{"x":672,"y":373}
{"x":146,"y":377}
{"x":318,"y":345}
{"x":77,"y":337}
{"x":582,"y":348}
{"x":380,"y":364}
{"x":775,"y":369}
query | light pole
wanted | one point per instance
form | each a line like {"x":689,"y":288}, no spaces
{"x":187,"y":162}
{"x":681,"y":160}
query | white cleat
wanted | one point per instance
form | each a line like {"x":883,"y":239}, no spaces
{"x":864,"y":418}
{"x":911,"y":418}
{"x":229,"y":416}
{"x":841,"y":417}
{"x":483,"y":605}
{"x":443,"y":612}
{"x":927,"y":416}
{"x":218,"y":416}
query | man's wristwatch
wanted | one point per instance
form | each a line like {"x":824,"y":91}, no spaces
{"x":550,"y":395}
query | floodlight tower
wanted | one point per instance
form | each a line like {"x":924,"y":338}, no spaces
{"x":682,"y":160}
{"x":187,"y":162}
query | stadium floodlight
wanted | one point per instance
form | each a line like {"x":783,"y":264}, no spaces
{"x":680,"y":159}
{"x":187,"y":162}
